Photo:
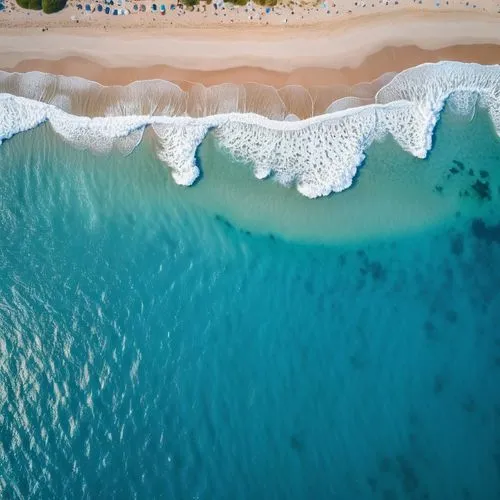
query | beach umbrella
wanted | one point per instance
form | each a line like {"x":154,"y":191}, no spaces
{"x":163,"y":8}
{"x":99,"y":8}
{"x":153,"y":7}
{"x":143,"y":8}
{"x":79,"y":6}
{"x":136,"y":7}
{"x":87,"y":7}
{"x":115,"y":12}
{"x":268,"y":10}
{"x":106,"y":10}
{"x":172,"y":7}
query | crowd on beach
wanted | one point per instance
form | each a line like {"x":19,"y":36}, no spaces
{"x":220,"y":12}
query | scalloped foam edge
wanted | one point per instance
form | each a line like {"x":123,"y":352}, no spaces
{"x":318,"y":155}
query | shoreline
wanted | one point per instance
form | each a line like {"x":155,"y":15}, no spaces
{"x":387,"y":60}
{"x":287,"y":133}
{"x":274,"y":145}
{"x":303,"y":74}
{"x":303,"y":92}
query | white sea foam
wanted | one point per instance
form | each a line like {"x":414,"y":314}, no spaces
{"x":319,"y":155}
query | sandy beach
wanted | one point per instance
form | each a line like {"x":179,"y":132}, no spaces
{"x":326,"y":58}
{"x":343,"y":53}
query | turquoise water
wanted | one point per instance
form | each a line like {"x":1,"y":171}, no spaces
{"x":235,"y":340}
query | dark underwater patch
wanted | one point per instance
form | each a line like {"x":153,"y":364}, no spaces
{"x":360,"y":284}
{"x":356,"y":361}
{"x":457,"y":245}
{"x":377,"y":271}
{"x":372,"y":483}
{"x":389,"y":495}
{"x":131,"y":219}
{"x":459,"y":164}
{"x":295,"y":443}
{"x":224,"y":221}
{"x":430,"y":330}
{"x":469,"y":405}
{"x":408,"y":476}
{"x":496,"y":460}
{"x":374,"y":269}
{"x":482,"y":190}
{"x":490,"y":234}
{"x":438,"y":384}
{"x":384,"y":464}
{"x":451,"y":316}
{"x":309,"y":286}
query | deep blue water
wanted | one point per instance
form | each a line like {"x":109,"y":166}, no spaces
{"x":157,"y":342}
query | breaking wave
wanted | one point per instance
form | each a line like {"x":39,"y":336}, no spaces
{"x":297,"y":136}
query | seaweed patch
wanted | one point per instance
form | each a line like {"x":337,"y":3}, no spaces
{"x":224,"y":221}
{"x":457,"y":245}
{"x":482,"y":189}
{"x":490,"y":234}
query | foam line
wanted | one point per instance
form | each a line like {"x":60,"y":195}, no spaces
{"x":319,"y":155}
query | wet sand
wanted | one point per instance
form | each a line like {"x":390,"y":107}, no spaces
{"x":389,"y":59}
{"x":325,"y":62}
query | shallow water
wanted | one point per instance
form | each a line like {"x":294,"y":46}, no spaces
{"x":235,"y":340}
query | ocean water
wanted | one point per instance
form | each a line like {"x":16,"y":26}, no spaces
{"x":235,"y":340}
{"x":318,"y":155}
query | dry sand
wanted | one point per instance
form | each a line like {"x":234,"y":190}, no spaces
{"x":332,"y":45}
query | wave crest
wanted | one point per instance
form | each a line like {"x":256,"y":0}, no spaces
{"x":319,"y":154}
